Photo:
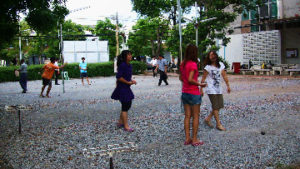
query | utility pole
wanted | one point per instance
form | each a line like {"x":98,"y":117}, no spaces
{"x":180,"y":31}
{"x":20,"y":42}
{"x":117,"y":35}
{"x":62,"y":58}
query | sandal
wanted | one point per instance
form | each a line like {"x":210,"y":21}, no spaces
{"x":198,"y":143}
{"x":42,"y":96}
{"x":188,"y":142}
{"x":129,"y":130}
{"x":221,"y":128}
{"x":208,"y":123}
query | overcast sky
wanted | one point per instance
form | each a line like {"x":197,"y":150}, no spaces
{"x":99,"y":9}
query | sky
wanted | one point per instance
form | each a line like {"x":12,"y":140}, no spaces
{"x":99,"y":9}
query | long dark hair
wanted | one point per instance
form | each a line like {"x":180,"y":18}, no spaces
{"x":191,"y":54}
{"x":122,"y":57}
{"x":208,"y":61}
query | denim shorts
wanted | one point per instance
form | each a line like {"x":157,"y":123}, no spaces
{"x":191,"y":99}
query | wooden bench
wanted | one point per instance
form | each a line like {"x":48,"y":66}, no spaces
{"x":244,"y":71}
{"x":291,"y":72}
{"x":262,"y":71}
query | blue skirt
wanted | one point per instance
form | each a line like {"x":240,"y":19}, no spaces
{"x":123,"y":94}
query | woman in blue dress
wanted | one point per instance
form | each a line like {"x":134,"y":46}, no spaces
{"x":123,"y":92}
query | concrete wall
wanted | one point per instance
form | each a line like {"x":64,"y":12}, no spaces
{"x":291,"y":39}
{"x":233,"y":52}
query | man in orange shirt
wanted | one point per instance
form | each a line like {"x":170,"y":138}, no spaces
{"x":47,"y":76}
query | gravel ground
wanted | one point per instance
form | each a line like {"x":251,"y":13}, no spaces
{"x":57,"y":130}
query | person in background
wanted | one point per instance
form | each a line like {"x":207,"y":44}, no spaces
{"x":56,"y":72}
{"x":162,"y":67}
{"x":47,"y":76}
{"x":83,"y":71}
{"x":250,"y":64}
{"x":263,"y":66}
{"x":154,"y":64}
{"x":122,"y":92}
{"x":191,"y":95}
{"x":213,"y":71}
{"x":23,"y":75}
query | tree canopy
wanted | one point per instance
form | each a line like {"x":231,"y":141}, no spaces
{"x":106,"y":30}
{"x":224,"y":12}
{"x":41,"y":15}
{"x":148,"y":36}
{"x":46,"y":44}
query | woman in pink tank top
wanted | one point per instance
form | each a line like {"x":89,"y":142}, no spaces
{"x":191,"y":95}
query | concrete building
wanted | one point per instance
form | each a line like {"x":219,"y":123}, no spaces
{"x":275,"y":15}
{"x":93,"y":50}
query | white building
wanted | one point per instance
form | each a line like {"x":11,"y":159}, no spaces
{"x":94,"y":51}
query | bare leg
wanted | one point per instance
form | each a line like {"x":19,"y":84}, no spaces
{"x":125,"y":119}
{"x":48,"y":91}
{"x":121,"y":119}
{"x":43,"y":88}
{"x":196,"y":112}
{"x":82,"y":81}
{"x":187,"y":118}
{"x":216,"y":115}
{"x":87,"y":79}
{"x":208,"y":118}
{"x":219,"y":125}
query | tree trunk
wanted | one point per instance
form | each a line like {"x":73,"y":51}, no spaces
{"x":174,"y":15}
{"x":40,"y":48}
{"x":158,"y":41}
{"x":152,"y":47}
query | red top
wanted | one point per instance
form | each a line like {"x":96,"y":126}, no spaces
{"x":185,"y":71}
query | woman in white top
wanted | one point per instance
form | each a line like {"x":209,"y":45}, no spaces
{"x":212,"y":75}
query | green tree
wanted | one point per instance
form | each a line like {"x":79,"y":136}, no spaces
{"x":157,"y":8}
{"x":147,"y":38}
{"x":10,"y":51}
{"x":73,"y":31}
{"x":225,"y":12}
{"x":107,"y":31}
{"x":41,"y":15}
{"x":46,"y":44}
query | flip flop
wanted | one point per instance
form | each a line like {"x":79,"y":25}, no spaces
{"x":129,"y":130}
{"x":188,"y":142}
{"x":198,"y":143}
{"x":42,"y":96}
